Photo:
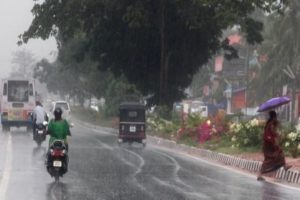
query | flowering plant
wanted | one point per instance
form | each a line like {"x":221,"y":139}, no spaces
{"x":246,"y":134}
{"x":292,"y":142}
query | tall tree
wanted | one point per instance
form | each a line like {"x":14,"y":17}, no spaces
{"x":23,"y":62}
{"x":282,"y":45}
{"x":157,"y":44}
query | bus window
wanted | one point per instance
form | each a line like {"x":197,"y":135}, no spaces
{"x":5,"y":89}
{"x":18,"y":91}
{"x":30,"y":89}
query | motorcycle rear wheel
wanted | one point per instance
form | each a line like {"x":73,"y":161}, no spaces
{"x":56,"y":178}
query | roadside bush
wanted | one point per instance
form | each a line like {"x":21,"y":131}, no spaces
{"x":176,"y":117}
{"x":91,"y":116}
{"x":291,"y":140}
{"x":246,"y":134}
{"x":194,"y":120}
{"x":190,"y":127}
{"x":161,"y":127}
{"x":163,"y":112}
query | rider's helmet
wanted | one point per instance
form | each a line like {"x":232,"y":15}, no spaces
{"x":38,"y":103}
{"x":57,"y":113}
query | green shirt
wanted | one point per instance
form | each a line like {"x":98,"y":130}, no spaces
{"x":58,"y":130}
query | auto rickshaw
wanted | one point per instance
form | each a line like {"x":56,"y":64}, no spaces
{"x":132,"y":126}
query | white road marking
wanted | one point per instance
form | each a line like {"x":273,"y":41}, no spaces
{"x":142,"y":162}
{"x":176,"y":170}
{"x":106,"y":146}
{"x":7,"y":169}
{"x":95,"y":130}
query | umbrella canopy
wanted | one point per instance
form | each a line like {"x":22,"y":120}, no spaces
{"x":273,"y":103}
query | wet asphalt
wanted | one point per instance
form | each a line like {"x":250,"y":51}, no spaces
{"x":99,"y":169}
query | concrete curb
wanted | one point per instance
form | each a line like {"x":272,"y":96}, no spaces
{"x":252,"y":166}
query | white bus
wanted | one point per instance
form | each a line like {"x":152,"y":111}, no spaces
{"x":17,"y":103}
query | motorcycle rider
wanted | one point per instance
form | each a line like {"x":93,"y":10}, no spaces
{"x":39,"y":115}
{"x":58,"y":129}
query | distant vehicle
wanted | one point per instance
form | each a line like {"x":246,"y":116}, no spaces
{"x":94,"y":106}
{"x":17,"y":103}
{"x":132,"y":126}
{"x":40,"y":133}
{"x":64,"y":105}
{"x":199,"y":108}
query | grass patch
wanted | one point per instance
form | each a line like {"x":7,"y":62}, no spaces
{"x":91,"y":116}
{"x":188,"y":141}
{"x":223,"y":144}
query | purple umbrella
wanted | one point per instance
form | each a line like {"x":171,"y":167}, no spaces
{"x":273,"y":103}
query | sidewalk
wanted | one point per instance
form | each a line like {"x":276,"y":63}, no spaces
{"x":295,"y":162}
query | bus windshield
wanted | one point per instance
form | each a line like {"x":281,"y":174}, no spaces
{"x":18,"y":91}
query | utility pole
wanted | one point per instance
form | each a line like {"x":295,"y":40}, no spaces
{"x":162,"y":52}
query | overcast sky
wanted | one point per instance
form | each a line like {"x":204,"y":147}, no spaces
{"x":15,"y":18}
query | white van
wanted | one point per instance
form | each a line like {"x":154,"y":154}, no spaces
{"x":64,"y":105}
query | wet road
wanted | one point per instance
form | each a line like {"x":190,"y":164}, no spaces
{"x":99,"y":169}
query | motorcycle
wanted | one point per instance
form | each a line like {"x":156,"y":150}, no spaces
{"x":57,"y":164}
{"x":40,"y":133}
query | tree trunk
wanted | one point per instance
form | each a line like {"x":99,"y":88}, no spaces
{"x":162,"y":53}
{"x":166,"y":80}
{"x":293,"y":101}
{"x":294,"y":59}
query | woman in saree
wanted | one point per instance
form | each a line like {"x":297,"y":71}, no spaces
{"x":273,"y":155}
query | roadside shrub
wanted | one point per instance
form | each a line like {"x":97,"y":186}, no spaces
{"x":194,"y":120}
{"x":176,"y":117}
{"x":190,"y":127}
{"x":246,"y":134}
{"x":291,"y":141}
{"x":161,"y":127}
{"x":163,"y":112}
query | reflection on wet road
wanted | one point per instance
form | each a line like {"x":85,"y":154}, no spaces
{"x":100,"y":169}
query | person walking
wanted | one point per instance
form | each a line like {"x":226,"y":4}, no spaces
{"x":273,"y":154}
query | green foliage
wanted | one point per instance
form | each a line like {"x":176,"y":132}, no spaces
{"x":176,"y":117}
{"x":91,"y":116}
{"x":246,"y":134}
{"x":200,"y":79}
{"x":77,"y":75}
{"x":290,"y":140}
{"x":187,"y":140}
{"x":161,"y":127}
{"x":157,"y":45}
{"x":282,"y":51}
{"x":118,"y":91}
{"x":164,"y":112}
{"x":194,"y":120}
